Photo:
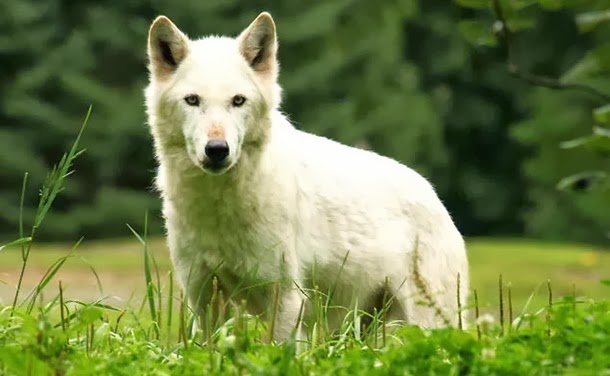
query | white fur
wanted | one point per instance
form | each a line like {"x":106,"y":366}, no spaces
{"x":291,"y":205}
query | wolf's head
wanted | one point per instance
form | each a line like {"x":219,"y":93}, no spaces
{"x":211,"y":97}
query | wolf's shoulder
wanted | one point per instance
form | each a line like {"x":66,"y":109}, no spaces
{"x":314,"y":154}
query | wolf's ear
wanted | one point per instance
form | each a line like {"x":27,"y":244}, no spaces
{"x":258,"y":44}
{"x":167,"y":47}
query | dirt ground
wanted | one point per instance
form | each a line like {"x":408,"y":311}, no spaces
{"x":119,"y":267}
{"x":118,"y":288}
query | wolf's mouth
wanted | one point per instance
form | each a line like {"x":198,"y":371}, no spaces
{"x":215,"y":167}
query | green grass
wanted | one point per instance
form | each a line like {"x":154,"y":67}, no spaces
{"x":527,"y":265}
{"x":524,"y":264}
{"x":574,"y":339}
{"x":566,"y":338}
{"x":44,"y":330}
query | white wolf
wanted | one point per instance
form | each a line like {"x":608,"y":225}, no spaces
{"x":260,"y":205}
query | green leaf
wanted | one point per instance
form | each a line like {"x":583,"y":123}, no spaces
{"x":89,"y":315}
{"x":48,"y":276}
{"x":409,"y":9}
{"x":598,"y":141}
{"x":588,"y":21}
{"x":605,"y":282}
{"x":521,"y":4}
{"x":593,"y":63}
{"x":17,"y":242}
{"x":150,"y":286}
{"x":584,"y":181}
{"x":54,"y":183}
{"x":520,"y":23}
{"x":551,"y":4}
{"x":602,"y":116}
{"x":478,"y":32}
{"x":474,"y":4}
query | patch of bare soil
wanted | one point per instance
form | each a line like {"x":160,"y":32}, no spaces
{"x":119,"y":288}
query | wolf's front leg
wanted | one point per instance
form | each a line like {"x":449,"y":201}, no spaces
{"x":289,"y":309}
{"x":197,"y":284}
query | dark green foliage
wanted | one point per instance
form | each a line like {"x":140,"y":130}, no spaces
{"x":57,"y":59}
{"x":559,"y":66}
{"x":401,"y":77}
{"x":339,"y":82}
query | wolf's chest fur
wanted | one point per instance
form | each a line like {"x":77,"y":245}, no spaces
{"x":226,"y":224}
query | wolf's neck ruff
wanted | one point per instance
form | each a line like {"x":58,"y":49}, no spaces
{"x":187,"y":185}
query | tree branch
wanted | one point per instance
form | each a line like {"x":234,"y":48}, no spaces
{"x":504,"y":36}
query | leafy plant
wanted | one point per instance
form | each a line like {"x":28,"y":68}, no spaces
{"x":503,"y":20}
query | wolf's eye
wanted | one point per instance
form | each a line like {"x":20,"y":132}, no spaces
{"x":238,"y":100}
{"x":192,"y":100}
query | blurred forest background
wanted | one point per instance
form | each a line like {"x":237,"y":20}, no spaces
{"x":423,"y":81}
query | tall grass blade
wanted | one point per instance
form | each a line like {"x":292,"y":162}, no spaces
{"x":57,"y":176}
{"x":51,"y":272}
{"x":61,"y":307}
{"x":526,"y":306}
{"x":182,"y":326}
{"x":46,"y":278}
{"x":510,"y":307}
{"x":150,"y":293}
{"x":501,"y":297}
{"x":21,"y":206}
{"x":274,"y":312}
{"x":549,"y":308}
{"x":14,"y":243}
{"x":477,"y":313}
{"x":459,"y":303}
{"x":170,"y":305}
{"x":52,"y":186}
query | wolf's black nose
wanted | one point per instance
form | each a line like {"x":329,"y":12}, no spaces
{"x":217,"y":150}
